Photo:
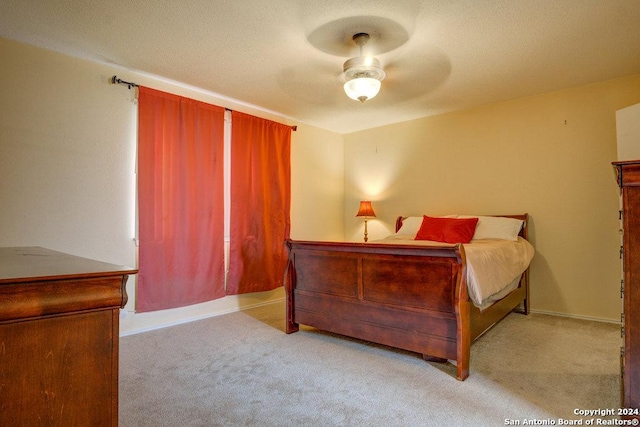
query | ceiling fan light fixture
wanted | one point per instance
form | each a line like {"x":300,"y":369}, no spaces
{"x":362,"y":88}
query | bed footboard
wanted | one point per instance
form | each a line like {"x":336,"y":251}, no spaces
{"x":412,"y":298}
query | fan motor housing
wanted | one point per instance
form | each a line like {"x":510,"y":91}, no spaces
{"x":363,"y":66}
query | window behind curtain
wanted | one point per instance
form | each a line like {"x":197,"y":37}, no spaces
{"x":260,"y":203}
{"x":180,"y":201}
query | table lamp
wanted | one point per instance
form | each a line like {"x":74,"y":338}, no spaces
{"x":366,"y":211}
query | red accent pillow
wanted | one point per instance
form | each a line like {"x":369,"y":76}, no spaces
{"x":448,"y":230}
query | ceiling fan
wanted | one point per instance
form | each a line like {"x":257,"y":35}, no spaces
{"x":371,"y":50}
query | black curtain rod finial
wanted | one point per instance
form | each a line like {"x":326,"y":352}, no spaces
{"x":116,"y":80}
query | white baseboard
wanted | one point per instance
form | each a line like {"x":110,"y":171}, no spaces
{"x":135,"y":323}
{"x":574,"y":316}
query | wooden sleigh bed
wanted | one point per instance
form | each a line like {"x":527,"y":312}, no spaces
{"x":403,"y":296}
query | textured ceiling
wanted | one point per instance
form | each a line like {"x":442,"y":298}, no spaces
{"x":286,"y":56}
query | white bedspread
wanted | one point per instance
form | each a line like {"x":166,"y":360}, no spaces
{"x":493,"y":266}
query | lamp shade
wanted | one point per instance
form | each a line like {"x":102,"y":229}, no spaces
{"x":362,"y":88}
{"x":366,"y":210}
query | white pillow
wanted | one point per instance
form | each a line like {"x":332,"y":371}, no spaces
{"x":496,"y":227}
{"x":410,"y":226}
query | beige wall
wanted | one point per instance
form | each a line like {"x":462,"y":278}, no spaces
{"x":628,"y":131}
{"x":67,"y":167}
{"x":548,"y":155}
{"x":317,"y":187}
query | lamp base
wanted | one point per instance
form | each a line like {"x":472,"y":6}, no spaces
{"x":366,"y":235}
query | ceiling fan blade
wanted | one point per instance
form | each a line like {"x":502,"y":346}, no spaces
{"x":312,"y":82}
{"x":336,"y":37}
{"x":415,"y":75}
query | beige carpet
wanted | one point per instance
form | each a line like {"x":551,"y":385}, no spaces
{"x":241,"y":369}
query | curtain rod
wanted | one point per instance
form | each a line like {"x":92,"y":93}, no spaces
{"x":115,"y":80}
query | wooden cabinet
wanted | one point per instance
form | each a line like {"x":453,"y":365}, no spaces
{"x":628,"y":177}
{"x":59,"y":325}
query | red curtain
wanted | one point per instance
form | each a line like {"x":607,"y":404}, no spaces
{"x":260,"y":203}
{"x":180,"y":201}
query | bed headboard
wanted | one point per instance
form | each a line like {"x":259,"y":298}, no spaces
{"x":523,"y":232}
{"x":399,"y":222}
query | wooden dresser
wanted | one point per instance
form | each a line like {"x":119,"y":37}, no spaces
{"x":628,"y":177}
{"x":59,"y":322}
